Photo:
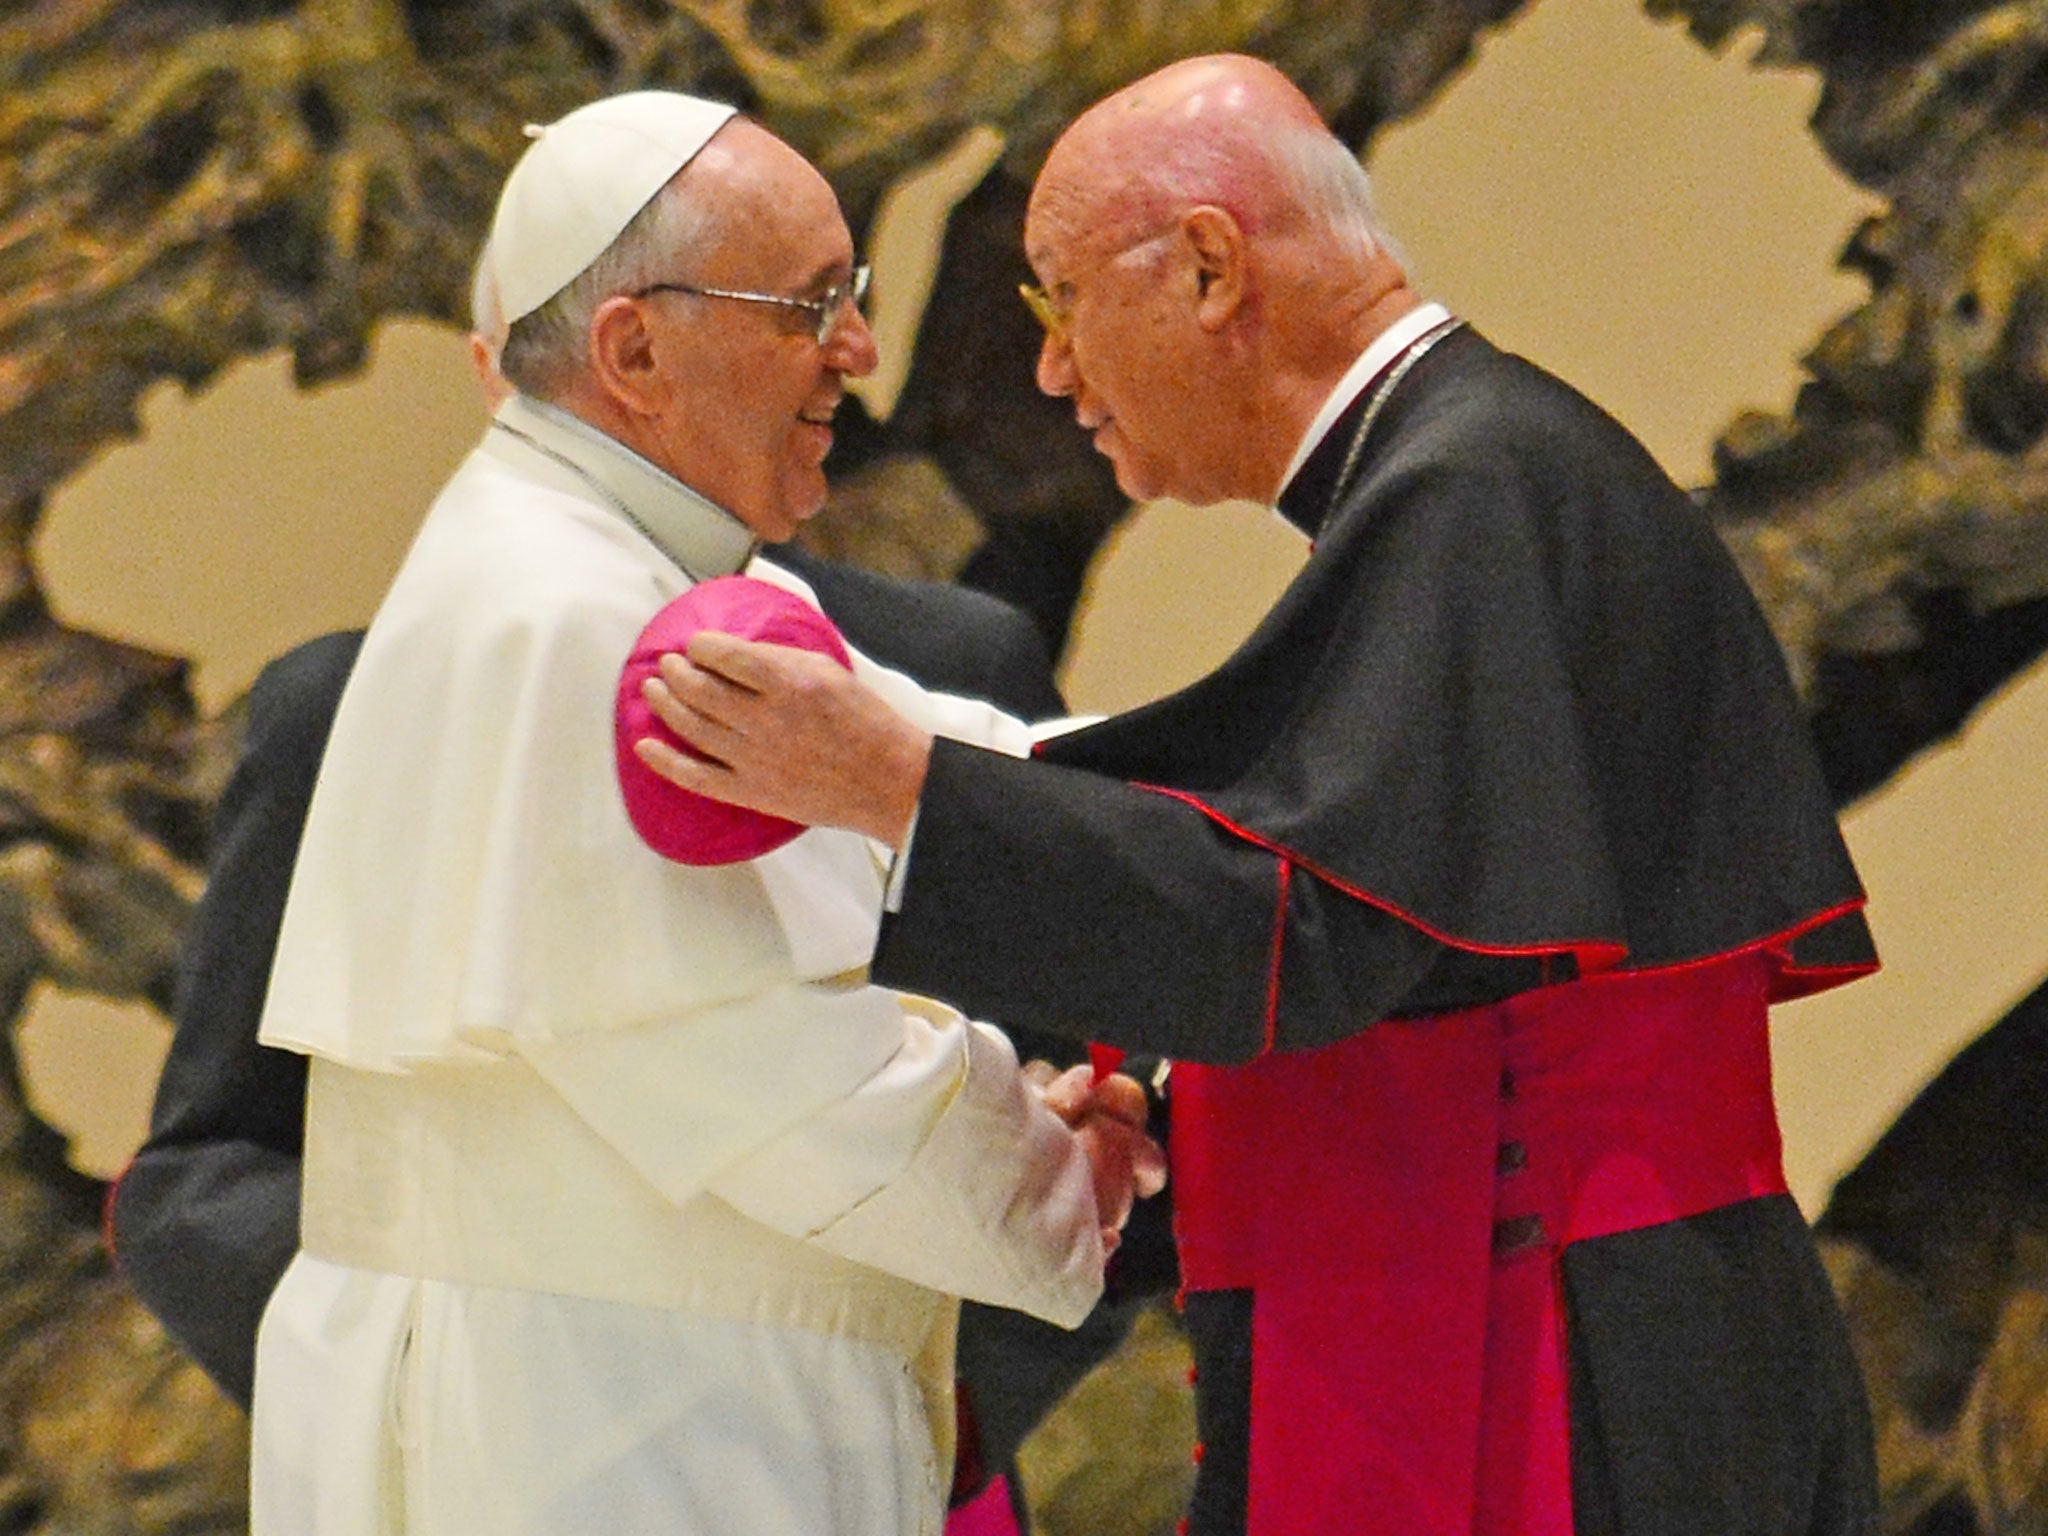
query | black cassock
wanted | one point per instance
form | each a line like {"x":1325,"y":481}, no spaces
{"x":1518,"y":721}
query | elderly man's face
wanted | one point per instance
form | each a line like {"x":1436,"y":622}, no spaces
{"x":753,"y":388}
{"x":1108,"y":347}
{"x":1121,"y":339}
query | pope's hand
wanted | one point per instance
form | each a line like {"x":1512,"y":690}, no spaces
{"x":788,"y":732}
{"x":1108,"y":1119}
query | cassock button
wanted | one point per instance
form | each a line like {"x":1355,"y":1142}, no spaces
{"x":1198,"y":1453}
{"x":1511,"y":1157}
{"x":1517,"y":1234}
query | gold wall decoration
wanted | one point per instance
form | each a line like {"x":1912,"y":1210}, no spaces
{"x":1895,"y":522}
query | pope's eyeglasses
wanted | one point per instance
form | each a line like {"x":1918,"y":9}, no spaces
{"x":825,"y":308}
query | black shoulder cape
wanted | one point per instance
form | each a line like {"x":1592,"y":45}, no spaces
{"x":1520,"y":697}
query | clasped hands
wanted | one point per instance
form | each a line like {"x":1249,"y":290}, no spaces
{"x":792,"y":733}
{"x":1107,"y":1116}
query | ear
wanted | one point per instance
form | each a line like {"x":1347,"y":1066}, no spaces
{"x":623,"y":361}
{"x":483,"y":357}
{"x":1217,"y":244}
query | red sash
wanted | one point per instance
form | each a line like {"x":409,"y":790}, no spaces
{"x":1398,"y":1203}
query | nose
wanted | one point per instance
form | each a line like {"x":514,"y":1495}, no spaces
{"x":1055,"y":365}
{"x":851,"y":349}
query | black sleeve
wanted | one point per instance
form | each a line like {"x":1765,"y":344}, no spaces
{"x":1063,"y":901}
{"x":206,"y":1218}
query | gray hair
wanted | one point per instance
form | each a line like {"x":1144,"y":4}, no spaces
{"x":1332,"y":187}
{"x":546,"y":349}
{"x":1268,"y":178}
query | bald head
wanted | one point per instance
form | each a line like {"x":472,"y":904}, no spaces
{"x":1217,"y":181}
{"x":1201,"y":131}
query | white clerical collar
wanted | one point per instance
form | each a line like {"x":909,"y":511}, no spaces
{"x":1386,"y":346}
{"x":691,"y":529}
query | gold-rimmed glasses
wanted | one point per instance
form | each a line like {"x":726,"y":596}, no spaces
{"x":1040,"y":303}
{"x":825,"y":308}
{"x":1051,"y":312}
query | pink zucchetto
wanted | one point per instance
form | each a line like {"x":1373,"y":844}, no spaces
{"x":678,"y":823}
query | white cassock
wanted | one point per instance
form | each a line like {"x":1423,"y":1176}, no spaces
{"x":629,"y":1205}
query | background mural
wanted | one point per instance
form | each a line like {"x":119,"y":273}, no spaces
{"x":184,"y":185}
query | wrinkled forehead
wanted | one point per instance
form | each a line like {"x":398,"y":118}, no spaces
{"x":1088,"y":201}
{"x":1052,"y":220}
{"x":774,"y":206}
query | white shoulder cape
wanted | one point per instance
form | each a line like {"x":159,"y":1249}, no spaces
{"x":468,"y":878}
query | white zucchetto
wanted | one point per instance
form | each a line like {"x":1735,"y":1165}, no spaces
{"x":581,"y":182}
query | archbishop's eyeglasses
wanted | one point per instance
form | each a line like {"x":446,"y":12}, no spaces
{"x":1041,"y":305}
{"x":824,"y":308}
{"x":1052,"y":313}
